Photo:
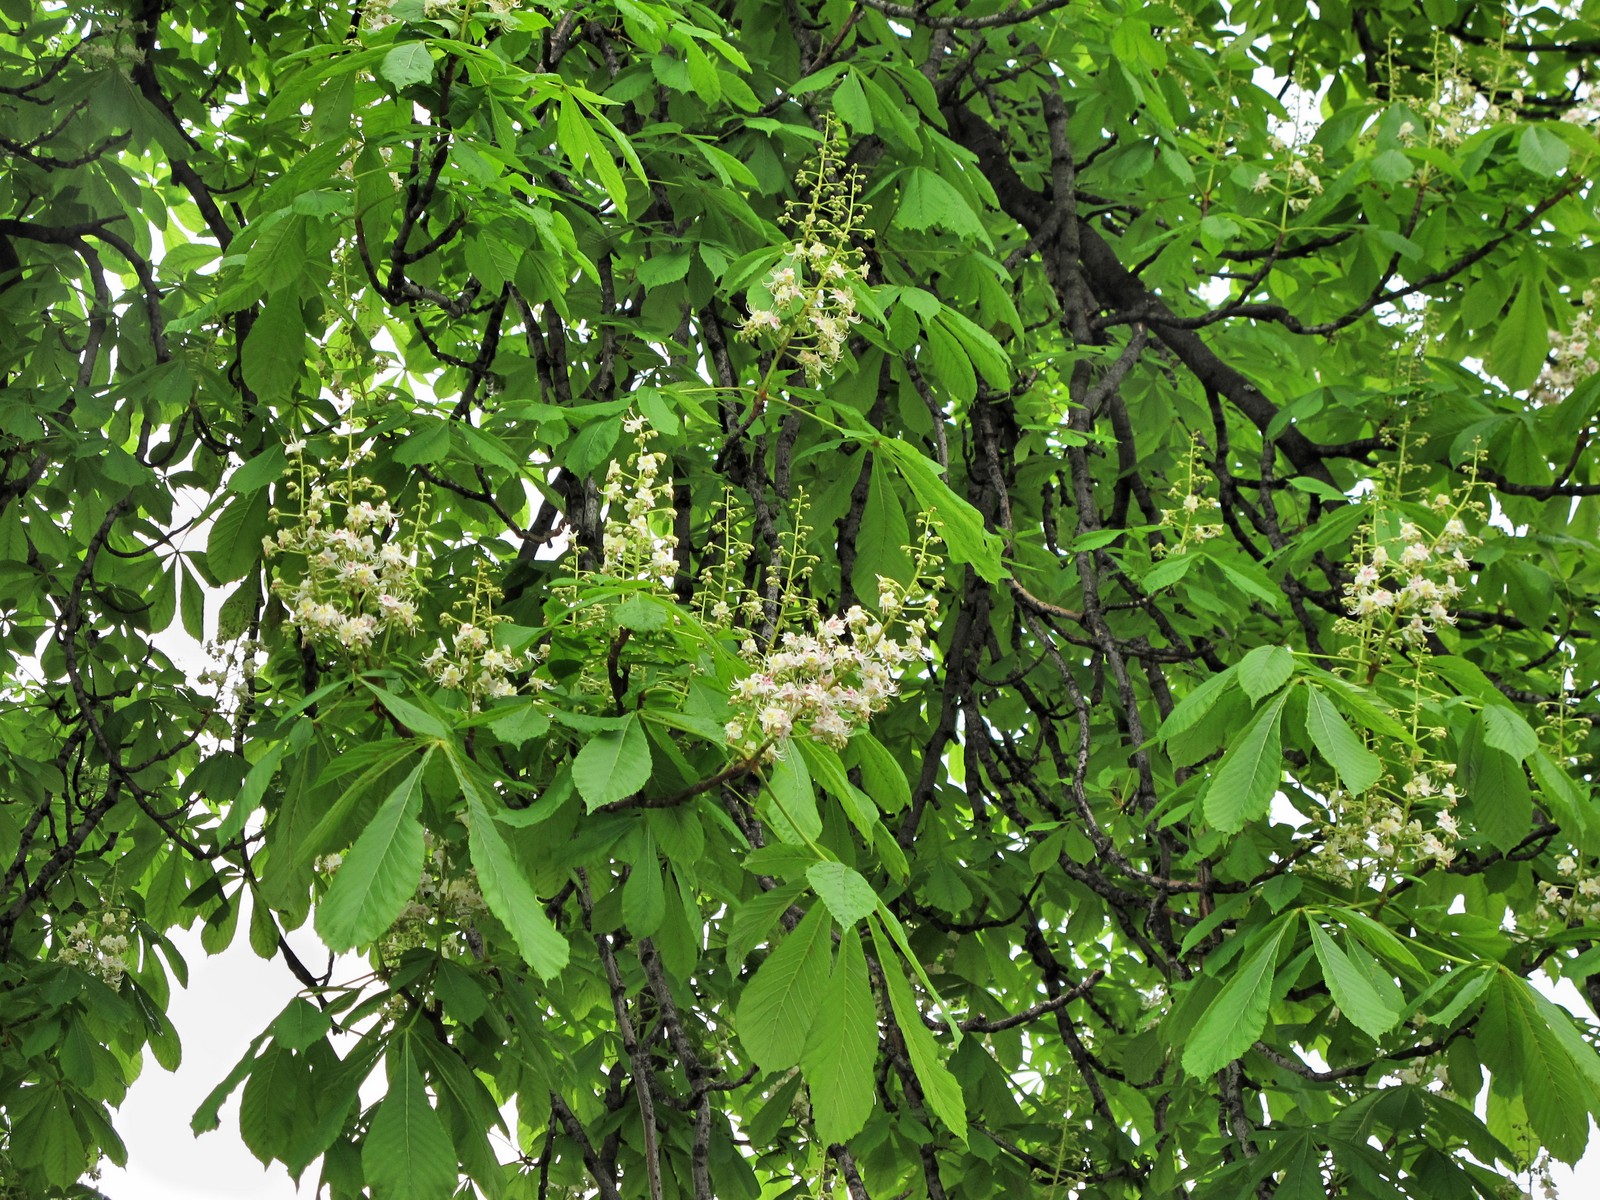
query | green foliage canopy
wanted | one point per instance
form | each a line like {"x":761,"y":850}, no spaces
{"x":874,"y":599}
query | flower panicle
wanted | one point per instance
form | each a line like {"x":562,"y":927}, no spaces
{"x":358,"y":570}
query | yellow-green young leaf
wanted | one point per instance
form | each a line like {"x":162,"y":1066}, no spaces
{"x":1237,"y":1014}
{"x":849,"y":897}
{"x":505,"y":887}
{"x":380,"y":873}
{"x":1358,"y":767}
{"x":840,"y":1053}
{"x":1249,"y":774}
{"x":1370,"y":1010}
{"x":613,"y":765}
{"x":940,"y":1089}
{"x":775,"y":1013}
{"x":407,"y":1154}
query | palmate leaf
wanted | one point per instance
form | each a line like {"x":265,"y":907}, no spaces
{"x":1521,"y":341}
{"x":1236,"y":1016}
{"x":956,"y":521}
{"x":613,"y":764}
{"x":1505,"y":730}
{"x":1191,"y":710}
{"x":1372,"y":1010}
{"x":789,"y":801}
{"x":1264,"y":670}
{"x":407,"y":1154}
{"x":381,"y":871}
{"x":505,"y":887}
{"x":275,"y":350}
{"x":1534,"y":1050}
{"x":1358,"y":767}
{"x":1248,"y":776}
{"x":775,"y":1013}
{"x":840,"y":1052}
{"x":847,"y":894}
{"x":939,"y":1087}
{"x":1497,"y":787}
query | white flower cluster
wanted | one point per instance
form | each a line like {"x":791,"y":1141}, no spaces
{"x":233,"y":672}
{"x":359,"y":578}
{"x":807,"y":303}
{"x":470,"y":661}
{"x":1459,"y":109}
{"x":1543,"y":1174}
{"x":503,"y":13}
{"x":1382,"y":834}
{"x":1574,"y":356}
{"x":827,"y":684}
{"x":1408,"y":591}
{"x":1300,"y":182}
{"x":103,"y":955}
{"x":1193,"y":503}
{"x":639,"y":542}
{"x":101,"y":54}
{"x":1574,"y":897}
{"x":1419,"y":1072}
{"x":810,"y":305}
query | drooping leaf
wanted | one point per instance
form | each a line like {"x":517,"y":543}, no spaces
{"x":789,"y":801}
{"x":1248,"y":776}
{"x":407,"y":1154}
{"x":1358,"y":767}
{"x":940,"y":1089}
{"x":506,"y":888}
{"x":1372,"y":1011}
{"x":1236,"y":1017}
{"x":841,"y":1050}
{"x":380,"y":873}
{"x":777,"y":1008}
